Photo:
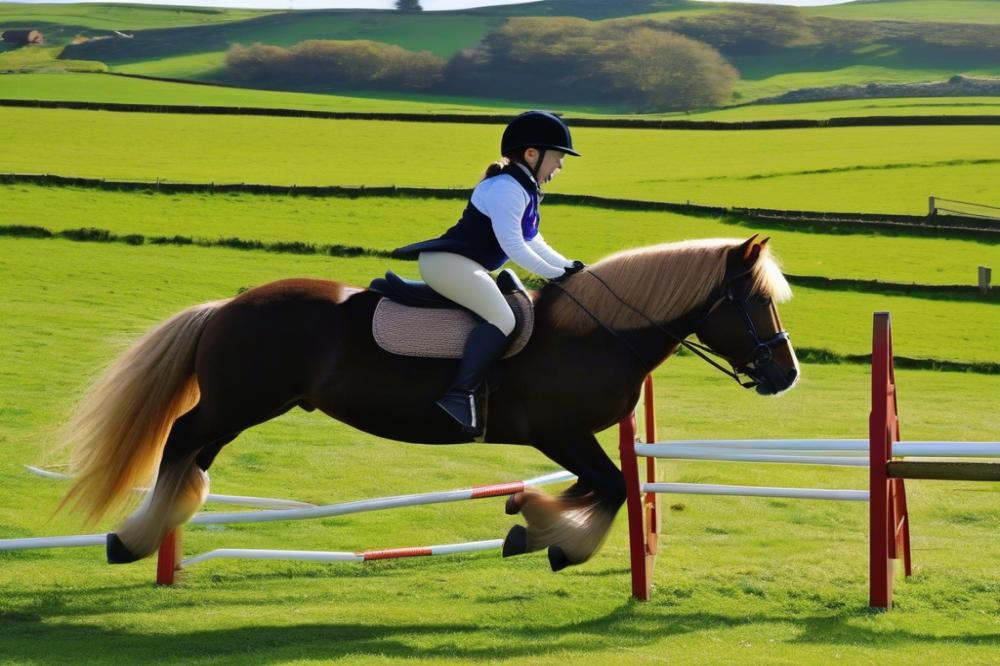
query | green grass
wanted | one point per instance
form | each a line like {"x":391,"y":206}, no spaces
{"x":764,"y":581}
{"x":946,"y":11}
{"x":879,"y":169}
{"x":91,"y":88}
{"x":749,"y":89}
{"x":103,"y":16}
{"x":906,"y":106}
{"x":441,"y":34}
{"x":387,"y":223}
{"x":43,"y":60}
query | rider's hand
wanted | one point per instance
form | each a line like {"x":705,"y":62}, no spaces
{"x":576,"y":267}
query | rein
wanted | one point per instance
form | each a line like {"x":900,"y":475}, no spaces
{"x":696,"y":348}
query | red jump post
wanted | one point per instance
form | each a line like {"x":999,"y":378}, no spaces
{"x":889,"y":525}
{"x":643,"y":511}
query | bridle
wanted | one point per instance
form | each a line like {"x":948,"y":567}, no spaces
{"x":760,"y":356}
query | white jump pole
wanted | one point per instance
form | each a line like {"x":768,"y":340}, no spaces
{"x":903,"y":449}
{"x":360,"y":506}
{"x":773,"y":444}
{"x":335,"y":556}
{"x":74,"y":541}
{"x":695,"y":453}
{"x":234,"y":500}
{"x":304,"y":511}
{"x":169,"y":558}
{"x":756,"y":491}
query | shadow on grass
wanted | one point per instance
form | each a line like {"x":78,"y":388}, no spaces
{"x":32,"y":632}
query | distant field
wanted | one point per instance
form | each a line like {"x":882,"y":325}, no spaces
{"x":120,"y":16}
{"x":139,"y":91}
{"x":42,"y":59}
{"x":85,"y":87}
{"x":440,"y":33}
{"x":904,"y":106}
{"x":880,"y":169}
{"x":386,"y":223}
{"x":948,"y":11}
{"x":752,"y":87}
{"x":191,"y":44}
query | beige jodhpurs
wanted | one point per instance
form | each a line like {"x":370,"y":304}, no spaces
{"x":466,"y":282}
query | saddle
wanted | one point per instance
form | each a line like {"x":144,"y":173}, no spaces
{"x":414,"y":320}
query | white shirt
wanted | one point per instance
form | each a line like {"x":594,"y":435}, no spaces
{"x":503,"y":200}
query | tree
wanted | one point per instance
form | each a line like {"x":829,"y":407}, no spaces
{"x":409,"y":6}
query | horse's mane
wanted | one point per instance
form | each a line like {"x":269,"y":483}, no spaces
{"x":662,"y":281}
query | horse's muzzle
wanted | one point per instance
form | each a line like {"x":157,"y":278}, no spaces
{"x":772,"y":379}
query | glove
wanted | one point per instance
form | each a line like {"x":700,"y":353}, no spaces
{"x":570,"y":270}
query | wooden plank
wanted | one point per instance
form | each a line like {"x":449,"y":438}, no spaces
{"x":943,"y":471}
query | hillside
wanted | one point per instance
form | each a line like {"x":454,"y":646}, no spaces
{"x":191,"y":44}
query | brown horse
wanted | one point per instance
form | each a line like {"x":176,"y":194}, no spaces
{"x":195,"y":382}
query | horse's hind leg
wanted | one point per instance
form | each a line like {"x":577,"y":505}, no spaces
{"x":180,"y":489}
{"x":573,"y":525}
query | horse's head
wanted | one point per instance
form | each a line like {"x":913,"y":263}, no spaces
{"x":741,"y":323}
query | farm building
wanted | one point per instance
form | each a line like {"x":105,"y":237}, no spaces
{"x":22,"y":37}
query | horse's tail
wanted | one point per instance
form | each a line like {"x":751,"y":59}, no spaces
{"x":118,"y":430}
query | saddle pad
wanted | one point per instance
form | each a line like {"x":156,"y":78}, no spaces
{"x":441,"y":333}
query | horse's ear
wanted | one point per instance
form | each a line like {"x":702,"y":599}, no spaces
{"x":747,"y":248}
{"x":764,"y":242}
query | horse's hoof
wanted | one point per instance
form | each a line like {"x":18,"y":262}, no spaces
{"x":117,"y":552}
{"x":516,"y":542}
{"x":513,"y":505}
{"x":557,"y":558}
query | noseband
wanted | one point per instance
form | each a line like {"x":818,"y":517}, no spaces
{"x":761,"y":356}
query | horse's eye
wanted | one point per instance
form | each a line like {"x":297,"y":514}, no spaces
{"x":763,"y":300}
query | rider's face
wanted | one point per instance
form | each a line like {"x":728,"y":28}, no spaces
{"x":551,"y":163}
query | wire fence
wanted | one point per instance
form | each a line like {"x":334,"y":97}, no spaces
{"x":940,"y":205}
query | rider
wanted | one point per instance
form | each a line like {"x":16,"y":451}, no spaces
{"x":499,"y":223}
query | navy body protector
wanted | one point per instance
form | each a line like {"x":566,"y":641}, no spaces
{"x":472,"y":236}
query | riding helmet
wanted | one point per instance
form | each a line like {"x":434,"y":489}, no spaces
{"x":537,"y":129}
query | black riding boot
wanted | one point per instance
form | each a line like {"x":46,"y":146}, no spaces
{"x":485,"y":344}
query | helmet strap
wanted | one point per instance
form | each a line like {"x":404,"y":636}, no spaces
{"x":538,"y":165}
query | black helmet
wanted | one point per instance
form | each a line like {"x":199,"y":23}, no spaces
{"x":537,"y":129}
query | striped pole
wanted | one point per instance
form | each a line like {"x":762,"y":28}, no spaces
{"x":169,"y":556}
{"x":335,"y":556}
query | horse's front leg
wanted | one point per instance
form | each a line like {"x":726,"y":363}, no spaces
{"x":573,"y":525}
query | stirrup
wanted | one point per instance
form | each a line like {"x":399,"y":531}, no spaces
{"x":461,"y":406}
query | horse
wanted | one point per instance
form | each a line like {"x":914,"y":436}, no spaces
{"x":168,"y":405}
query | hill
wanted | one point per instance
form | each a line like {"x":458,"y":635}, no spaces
{"x":850,"y":44}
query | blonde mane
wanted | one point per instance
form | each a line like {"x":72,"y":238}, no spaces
{"x":661,"y":281}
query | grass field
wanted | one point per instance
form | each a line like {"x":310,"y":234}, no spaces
{"x":874,"y":169}
{"x":769,"y":581}
{"x":739,"y":580}
{"x":91,"y":88}
{"x":42,"y":60}
{"x":102,"y":16}
{"x":387,"y":223}
{"x":947,"y":11}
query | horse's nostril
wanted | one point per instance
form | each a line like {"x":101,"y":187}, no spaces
{"x":792,"y":374}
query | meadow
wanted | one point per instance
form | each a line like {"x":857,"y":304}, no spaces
{"x":964,"y":11}
{"x":99,"y":16}
{"x":122,"y":90}
{"x":870,"y":169}
{"x":739,"y":580}
{"x":787,"y":584}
